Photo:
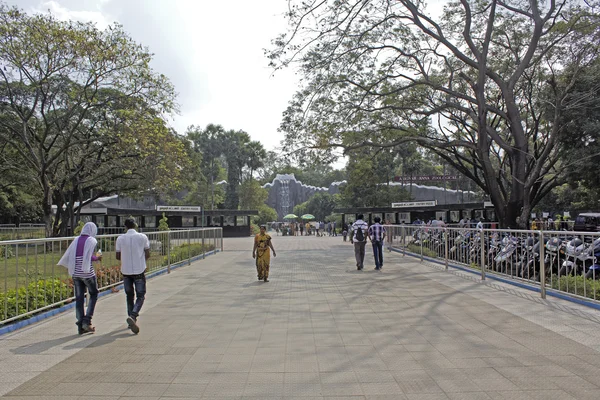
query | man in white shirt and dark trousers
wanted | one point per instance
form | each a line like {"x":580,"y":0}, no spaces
{"x":359,"y":238}
{"x":133,"y":249}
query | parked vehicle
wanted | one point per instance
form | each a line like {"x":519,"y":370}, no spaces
{"x":587,"y":222}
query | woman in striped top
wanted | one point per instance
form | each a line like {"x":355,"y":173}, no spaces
{"x":78,"y":259}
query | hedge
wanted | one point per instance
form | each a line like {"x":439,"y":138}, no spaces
{"x":37,"y":295}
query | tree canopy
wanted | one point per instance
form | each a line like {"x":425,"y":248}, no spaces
{"x":483,"y":85}
{"x":82,"y":113}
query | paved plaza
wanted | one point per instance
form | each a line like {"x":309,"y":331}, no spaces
{"x":319,"y":329}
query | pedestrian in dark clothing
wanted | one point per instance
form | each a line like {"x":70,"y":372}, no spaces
{"x":377,"y":235}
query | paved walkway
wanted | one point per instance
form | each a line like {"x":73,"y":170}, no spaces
{"x":319,"y":330}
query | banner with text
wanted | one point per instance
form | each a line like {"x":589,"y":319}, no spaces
{"x":179,"y":208}
{"x":406,"y":204}
{"x":426,"y":178}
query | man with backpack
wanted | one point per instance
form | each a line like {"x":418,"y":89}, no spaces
{"x":359,"y":238}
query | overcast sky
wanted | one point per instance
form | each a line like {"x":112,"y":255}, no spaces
{"x":211,"y":50}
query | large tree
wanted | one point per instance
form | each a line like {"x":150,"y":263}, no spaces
{"x":482,"y":84}
{"x":84,"y":112}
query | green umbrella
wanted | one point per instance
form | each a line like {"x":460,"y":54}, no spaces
{"x":290,"y":216}
{"x":308,"y":216}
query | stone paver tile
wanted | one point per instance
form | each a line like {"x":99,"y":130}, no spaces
{"x":397,"y":396}
{"x":193,"y":377}
{"x":184,"y":390}
{"x":550,"y":395}
{"x":427,"y":396}
{"x":380,"y":388}
{"x":584,"y":394}
{"x":341,"y":389}
{"x":108,"y":389}
{"x":266,"y":390}
{"x":302,"y":390}
{"x":482,"y":373}
{"x":146,"y":390}
{"x":419,"y":386}
{"x":495,"y":384}
{"x":302,"y":378}
{"x":338,"y":377}
{"x":374,"y":376}
{"x":457,"y":385}
{"x":468,"y":396}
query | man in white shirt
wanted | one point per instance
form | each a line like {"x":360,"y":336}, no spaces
{"x":133,"y":249}
{"x":360,"y":240}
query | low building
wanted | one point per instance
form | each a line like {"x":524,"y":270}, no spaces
{"x":109,"y":214}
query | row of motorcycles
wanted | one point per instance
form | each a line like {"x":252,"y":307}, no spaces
{"x":516,"y":255}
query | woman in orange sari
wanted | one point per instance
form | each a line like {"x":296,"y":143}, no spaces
{"x":262,"y":254}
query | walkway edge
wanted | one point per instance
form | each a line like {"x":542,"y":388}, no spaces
{"x":45,"y":315}
{"x":549,"y":292}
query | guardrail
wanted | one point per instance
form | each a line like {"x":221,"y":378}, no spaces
{"x":31,"y":282}
{"x":563,"y":262}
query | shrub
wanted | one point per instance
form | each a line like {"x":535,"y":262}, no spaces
{"x":37,"y":294}
{"x":6,"y":252}
{"x":186,"y":251}
{"x":426,"y":252}
{"x":254,"y":229}
{"x":78,"y":228}
{"x":576,"y":285}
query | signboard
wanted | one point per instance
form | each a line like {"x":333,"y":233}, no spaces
{"x":406,"y":204}
{"x":426,"y":178}
{"x":179,"y":208}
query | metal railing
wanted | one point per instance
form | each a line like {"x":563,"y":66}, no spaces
{"x":31,"y":281}
{"x":562,"y":261}
{"x":14,"y":233}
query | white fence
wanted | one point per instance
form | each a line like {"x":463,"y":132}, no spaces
{"x":30,"y":280}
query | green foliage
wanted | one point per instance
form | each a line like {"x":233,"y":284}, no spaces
{"x":163,"y":224}
{"x":254,"y":229}
{"x":577,"y":285}
{"x":265,"y":214}
{"x":6,"y":251}
{"x":236,"y":149}
{"x":414,"y":248}
{"x":94,"y":113}
{"x":320,"y":205}
{"x":37,"y":294}
{"x":369,"y":174}
{"x":185,"y":251}
{"x":78,"y":228}
{"x":252,"y":195}
{"x":483,"y":86}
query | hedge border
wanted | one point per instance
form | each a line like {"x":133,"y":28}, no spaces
{"x":45,"y":315}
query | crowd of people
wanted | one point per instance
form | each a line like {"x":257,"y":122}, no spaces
{"x":315,"y":228}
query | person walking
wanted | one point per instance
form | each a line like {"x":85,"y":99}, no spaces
{"x":133,"y":249}
{"x":359,"y":239}
{"x":345,"y":231}
{"x":376,"y":236}
{"x":78,"y":260}
{"x":262,"y":254}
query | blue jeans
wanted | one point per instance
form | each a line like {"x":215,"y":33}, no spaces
{"x":80,"y":285}
{"x":137,"y":283}
{"x":378,"y":253}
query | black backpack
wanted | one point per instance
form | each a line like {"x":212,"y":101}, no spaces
{"x":360,"y":236}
